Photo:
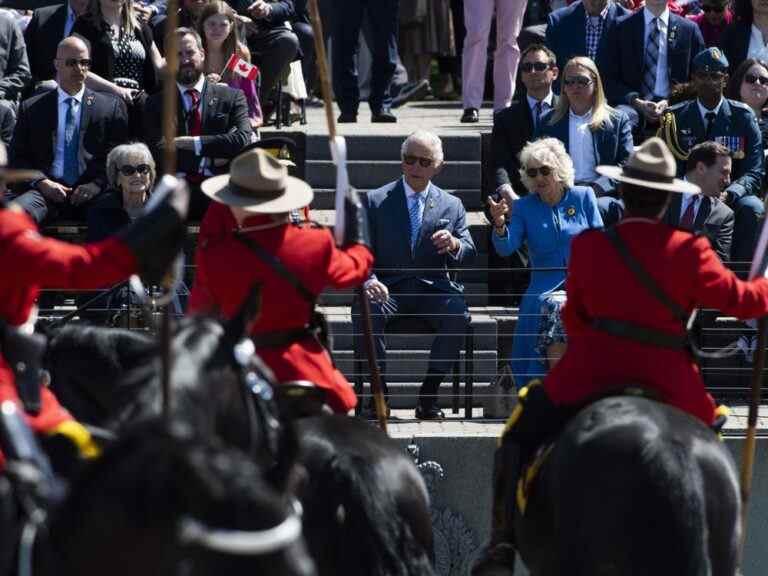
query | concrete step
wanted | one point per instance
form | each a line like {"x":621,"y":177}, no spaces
{"x":387,"y":147}
{"x":325,"y":198}
{"x":367,"y":174}
{"x":405,"y":395}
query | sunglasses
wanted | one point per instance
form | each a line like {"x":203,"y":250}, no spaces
{"x":543,"y":170}
{"x":717,"y":9}
{"x":128,"y":170}
{"x":423,"y":162}
{"x":582,"y":81}
{"x":537,"y":66}
{"x":754,"y":79}
{"x":73,"y":62}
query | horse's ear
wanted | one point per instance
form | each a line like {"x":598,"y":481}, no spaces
{"x":237,"y":326}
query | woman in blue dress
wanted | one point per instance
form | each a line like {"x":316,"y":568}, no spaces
{"x":546,"y":220}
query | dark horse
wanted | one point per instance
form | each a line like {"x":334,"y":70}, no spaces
{"x":632,"y":487}
{"x":366,"y":504}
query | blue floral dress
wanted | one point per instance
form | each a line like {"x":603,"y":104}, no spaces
{"x":548,"y":231}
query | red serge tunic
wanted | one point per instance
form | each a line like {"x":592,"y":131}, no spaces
{"x":599,"y":285}
{"x":227,"y":269}
{"x":30,"y":262}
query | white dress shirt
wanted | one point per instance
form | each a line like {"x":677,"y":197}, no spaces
{"x":546,"y":105}
{"x":704,"y":110}
{"x":57,"y":171}
{"x":581,"y":147}
{"x":758,"y":48}
{"x":661,"y":88}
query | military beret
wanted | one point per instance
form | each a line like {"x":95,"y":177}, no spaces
{"x":710,"y":60}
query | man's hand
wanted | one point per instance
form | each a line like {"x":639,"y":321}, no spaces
{"x":377,"y":291}
{"x":499,"y":211}
{"x":84,"y":192}
{"x":649,"y":109}
{"x":54,"y":191}
{"x":724,"y":196}
{"x":184,"y":142}
{"x":260,"y":10}
{"x":445,"y":242}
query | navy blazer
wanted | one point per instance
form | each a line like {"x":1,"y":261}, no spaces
{"x":612,"y":143}
{"x":390,"y":226}
{"x":623,"y":71}
{"x":566,"y":32}
{"x":735,"y":43}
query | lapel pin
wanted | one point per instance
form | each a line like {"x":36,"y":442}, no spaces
{"x":431,"y":204}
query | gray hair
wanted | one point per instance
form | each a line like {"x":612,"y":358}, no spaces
{"x":547,"y":152}
{"x":182,"y":31}
{"x":428,"y":139}
{"x":119,"y":155}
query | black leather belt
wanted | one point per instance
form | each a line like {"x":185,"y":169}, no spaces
{"x":641,"y":334}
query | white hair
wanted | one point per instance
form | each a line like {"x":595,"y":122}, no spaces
{"x":428,"y":139}
{"x":547,"y":152}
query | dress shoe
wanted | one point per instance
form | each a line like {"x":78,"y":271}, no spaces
{"x":383,"y":116}
{"x":347,"y":118}
{"x":429,"y":413}
{"x":470,"y":116}
{"x":412,"y":92}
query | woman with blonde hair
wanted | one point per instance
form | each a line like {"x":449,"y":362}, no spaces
{"x":592,"y":132}
{"x":217,"y":26}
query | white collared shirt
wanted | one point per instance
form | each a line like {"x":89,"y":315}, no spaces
{"x":757,"y":45}
{"x":686,"y":200}
{"x":546,"y":104}
{"x":704,"y":110}
{"x":186,"y":100}
{"x":411,"y":197}
{"x":581,"y":148}
{"x":57,"y":170}
{"x":661,"y":88}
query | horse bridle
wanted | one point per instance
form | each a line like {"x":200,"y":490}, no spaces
{"x":241,"y":542}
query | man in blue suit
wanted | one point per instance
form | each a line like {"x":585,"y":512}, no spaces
{"x":582,"y":29}
{"x":650,"y":51}
{"x":418,"y":232}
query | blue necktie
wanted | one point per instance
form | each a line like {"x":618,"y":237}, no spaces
{"x":415,"y":213}
{"x":651,"y":59}
{"x":71,"y":144}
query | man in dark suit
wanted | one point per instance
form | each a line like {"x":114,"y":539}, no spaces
{"x":650,"y":51}
{"x":49,"y":26}
{"x":14,"y":65}
{"x":66,"y":134}
{"x":582,"y":29}
{"x":212,"y":122}
{"x":418,"y":232}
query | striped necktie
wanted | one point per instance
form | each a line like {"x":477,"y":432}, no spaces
{"x":416,"y":216}
{"x":651,"y":59}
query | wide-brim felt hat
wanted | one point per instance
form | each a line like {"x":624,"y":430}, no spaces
{"x":11,"y":175}
{"x":257,"y":182}
{"x":651,"y":165}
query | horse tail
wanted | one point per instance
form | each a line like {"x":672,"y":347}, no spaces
{"x":374,"y":539}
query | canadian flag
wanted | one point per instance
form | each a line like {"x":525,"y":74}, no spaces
{"x":242,"y":68}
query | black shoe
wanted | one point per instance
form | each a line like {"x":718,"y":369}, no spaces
{"x":347,"y":118}
{"x":412,"y":91}
{"x":369,"y":412}
{"x":429,"y":413}
{"x":383,"y":116}
{"x":495,"y":560}
{"x":470,"y":116}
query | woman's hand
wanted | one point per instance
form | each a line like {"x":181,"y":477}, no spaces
{"x":499,"y":211}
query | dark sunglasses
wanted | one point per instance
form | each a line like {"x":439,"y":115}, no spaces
{"x":713,"y":9}
{"x":72,"y":62}
{"x":543,"y":170}
{"x":128,"y":170}
{"x":582,"y":81}
{"x":537,"y":66}
{"x":753,"y":79}
{"x":423,"y":162}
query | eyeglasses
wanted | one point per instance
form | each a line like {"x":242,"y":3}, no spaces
{"x":423,"y":162}
{"x":754,"y":78}
{"x":128,"y":170}
{"x":73,"y":62}
{"x":543,"y":170}
{"x":717,"y":9}
{"x":537,"y":66}
{"x":582,"y":81}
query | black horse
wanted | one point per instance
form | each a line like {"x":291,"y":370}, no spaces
{"x":632,"y":487}
{"x":366,"y":503}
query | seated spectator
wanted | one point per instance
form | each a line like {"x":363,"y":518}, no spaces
{"x":733,"y":124}
{"x":546,"y":220}
{"x":747,"y":36}
{"x":709,"y":167}
{"x":212,"y":121}
{"x":593,"y":133}
{"x":217,"y":27}
{"x":66,"y":134}
{"x":418,"y":231}
{"x":14,"y":65}
{"x":715,"y":15}
{"x":49,"y":26}
{"x":582,"y":29}
{"x":749,"y":84}
{"x":131,"y":174}
{"x":302,"y":27}
{"x":640,"y":75}
{"x":126,"y":60}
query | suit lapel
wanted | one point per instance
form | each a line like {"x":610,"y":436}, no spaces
{"x":431,"y":211}
{"x":181,"y":115}
{"x":638,"y":33}
{"x":86,"y":112}
{"x":207,"y":99}
{"x":50,"y":122}
{"x":400,"y":217}
{"x":581,"y":38}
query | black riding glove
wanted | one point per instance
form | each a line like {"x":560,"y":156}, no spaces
{"x":158,"y":235}
{"x":356,"y":229}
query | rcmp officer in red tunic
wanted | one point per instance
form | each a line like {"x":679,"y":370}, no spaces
{"x":31,"y":261}
{"x":630,"y":290}
{"x":246,"y":238}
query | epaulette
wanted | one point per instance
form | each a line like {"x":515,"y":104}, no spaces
{"x":677,"y":106}
{"x":668,"y":132}
{"x":739,"y":105}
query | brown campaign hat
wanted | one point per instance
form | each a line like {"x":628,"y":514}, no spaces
{"x":259,"y":183}
{"x":651,"y":165}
